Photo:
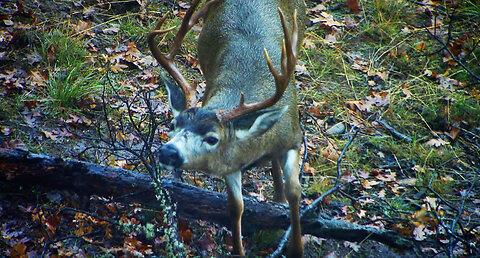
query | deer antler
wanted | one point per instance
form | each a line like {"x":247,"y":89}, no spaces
{"x":191,"y":17}
{"x":288,"y":61}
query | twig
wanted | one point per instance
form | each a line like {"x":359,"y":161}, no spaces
{"x":93,"y":215}
{"x":452,"y":234}
{"x":394,"y":132}
{"x":45,"y":246}
{"x":284,"y":239}
{"x":459,"y":213}
{"x":339,"y":160}
{"x":429,"y":186}
{"x":451,"y":54}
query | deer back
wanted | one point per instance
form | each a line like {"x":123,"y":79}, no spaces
{"x":230,"y":51}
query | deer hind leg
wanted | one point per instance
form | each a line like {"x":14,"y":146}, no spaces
{"x":292,"y":192}
{"x":279,"y":195}
{"x":235,"y":209}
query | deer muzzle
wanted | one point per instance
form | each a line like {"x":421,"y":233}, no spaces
{"x":169,"y":157}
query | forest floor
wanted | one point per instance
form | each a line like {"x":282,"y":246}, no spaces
{"x":389,"y":102}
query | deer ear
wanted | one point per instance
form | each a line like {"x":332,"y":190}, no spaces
{"x":176,"y":97}
{"x":257,"y":123}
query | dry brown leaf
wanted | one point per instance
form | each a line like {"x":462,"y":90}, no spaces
{"x":329,"y":152}
{"x":353,"y":5}
{"x":421,"y":46}
{"x":82,"y":27}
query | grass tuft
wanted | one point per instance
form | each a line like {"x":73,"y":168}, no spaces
{"x":65,"y":90}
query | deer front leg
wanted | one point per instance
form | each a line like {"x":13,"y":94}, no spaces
{"x":292,"y":192}
{"x":235,"y":208}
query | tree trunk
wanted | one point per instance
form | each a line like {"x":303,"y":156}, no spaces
{"x":27,"y":169}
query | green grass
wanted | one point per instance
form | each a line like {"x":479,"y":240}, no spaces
{"x":67,"y":89}
{"x":133,"y":29}
{"x":70,"y":78}
{"x":59,"y":50}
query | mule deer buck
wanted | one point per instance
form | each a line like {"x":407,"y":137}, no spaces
{"x":249,"y":109}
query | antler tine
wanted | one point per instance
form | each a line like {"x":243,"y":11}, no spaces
{"x":288,"y":61}
{"x":166,"y":61}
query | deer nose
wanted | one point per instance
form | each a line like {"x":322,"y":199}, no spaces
{"x":169,"y":156}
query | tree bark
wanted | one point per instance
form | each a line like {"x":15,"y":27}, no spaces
{"x":27,"y":169}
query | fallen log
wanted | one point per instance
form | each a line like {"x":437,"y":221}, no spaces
{"x":27,"y":169}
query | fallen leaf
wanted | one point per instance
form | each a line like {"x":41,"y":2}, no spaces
{"x":363,"y":174}
{"x":111,"y":30}
{"x":185,"y":231}
{"x":83,"y":27}
{"x":453,"y":132}
{"x":406,"y":92}
{"x":317,"y":9}
{"x":15,"y":144}
{"x":8,"y":22}
{"x":421,"y":46}
{"x":391,"y":177}
{"x":408,"y":181}
{"x":50,"y":135}
{"x":419,"y":233}
{"x":381,"y":193}
{"x":330,"y":153}
{"x":76,"y":120}
{"x":368,"y":184}
{"x":353,"y":5}
{"x":436,"y":142}
{"x":330,"y":39}
{"x":18,"y":250}
{"x":361,"y":213}
{"x":326,"y":20}
{"x":118,"y":67}
{"x":301,"y":70}
{"x":308,"y":169}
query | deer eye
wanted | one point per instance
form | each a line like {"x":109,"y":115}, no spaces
{"x":211,"y":140}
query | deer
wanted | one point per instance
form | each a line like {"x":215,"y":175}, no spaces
{"x":249,"y":110}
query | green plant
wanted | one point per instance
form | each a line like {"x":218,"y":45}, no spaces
{"x":318,"y":186}
{"x":59,"y":50}
{"x":389,"y":11}
{"x":471,"y":8}
{"x":66,"y":90}
{"x":131,"y":28}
